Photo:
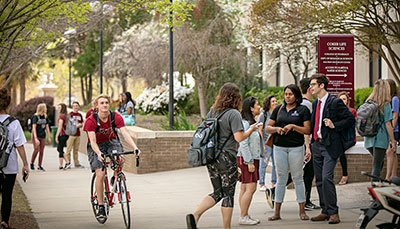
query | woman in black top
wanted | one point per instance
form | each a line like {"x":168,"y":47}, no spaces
{"x":289,"y":123}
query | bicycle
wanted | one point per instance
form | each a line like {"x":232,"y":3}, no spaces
{"x":119,"y":187}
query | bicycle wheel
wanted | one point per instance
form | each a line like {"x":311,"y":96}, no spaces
{"x":95,"y":202}
{"x":124,"y":201}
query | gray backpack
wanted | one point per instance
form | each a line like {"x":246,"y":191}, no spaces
{"x":5,"y":147}
{"x":70,"y":128}
{"x":204,"y":143}
{"x":367,"y":122}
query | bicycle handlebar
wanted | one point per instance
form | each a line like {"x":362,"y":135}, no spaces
{"x":120,"y":153}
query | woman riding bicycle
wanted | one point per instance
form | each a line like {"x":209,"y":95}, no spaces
{"x":104,"y":139}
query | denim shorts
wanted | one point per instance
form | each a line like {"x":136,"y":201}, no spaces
{"x":105,"y":147}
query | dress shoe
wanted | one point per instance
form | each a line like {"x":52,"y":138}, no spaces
{"x":334,"y":219}
{"x":320,"y":217}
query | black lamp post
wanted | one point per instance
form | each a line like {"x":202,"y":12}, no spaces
{"x":69,"y":32}
{"x":101,"y":49}
{"x":171,"y":73}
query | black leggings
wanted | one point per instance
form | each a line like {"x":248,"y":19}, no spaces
{"x":62,"y":142}
{"x":7,"y":182}
{"x":224,"y":175}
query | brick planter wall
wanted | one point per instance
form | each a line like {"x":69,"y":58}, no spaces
{"x":161,"y":150}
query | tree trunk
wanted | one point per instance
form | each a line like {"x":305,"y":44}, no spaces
{"x":201,"y":89}
{"x":123,"y":83}
{"x":13,"y":95}
{"x":83,"y":91}
{"x":22,"y":87}
{"x":90,"y":90}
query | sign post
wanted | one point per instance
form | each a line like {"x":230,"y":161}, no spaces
{"x":336,"y":61}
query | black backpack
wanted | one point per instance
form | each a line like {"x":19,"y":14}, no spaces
{"x":5,"y":148}
{"x":205,"y":148}
{"x":348,"y":134}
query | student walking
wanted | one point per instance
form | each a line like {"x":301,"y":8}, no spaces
{"x":250,"y":152}
{"x":392,"y":160}
{"x":326,"y":144}
{"x":61,"y":137}
{"x":288,"y":124}
{"x":16,"y":138}
{"x":384,"y":140}
{"x":74,"y":141}
{"x":344,"y":96}
{"x":40,"y":126}
{"x":223,"y":171}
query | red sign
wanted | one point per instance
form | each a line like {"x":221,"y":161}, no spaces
{"x":336,"y":61}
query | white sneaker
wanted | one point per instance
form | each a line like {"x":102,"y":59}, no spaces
{"x":263,"y":188}
{"x":247,"y":221}
{"x":257,"y":220}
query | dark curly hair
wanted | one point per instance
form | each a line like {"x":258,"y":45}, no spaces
{"x":5,"y":99}
{"x":228,"y":97}
{"x":267,"y":103}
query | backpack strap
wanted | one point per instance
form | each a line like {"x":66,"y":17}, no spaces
{"x":9,"y":120}
{"x":112,"y":118}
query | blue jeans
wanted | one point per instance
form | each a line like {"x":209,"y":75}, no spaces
{"x":263,"y":165}
{"x":289,"y":158}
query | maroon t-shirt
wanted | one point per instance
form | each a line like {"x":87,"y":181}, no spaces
{"x":62,"y":117}
{"x":105,"y":132}
{"x":78,"y":119}
{"x":89,"y":112}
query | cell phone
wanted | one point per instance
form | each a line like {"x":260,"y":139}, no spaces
{"x":259,"y":124}
{"x":25,"y":176}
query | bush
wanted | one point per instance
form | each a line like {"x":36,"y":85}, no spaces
{"x":262,"y":94}
{"x":360,"y":95}
{"x":26,"y":109}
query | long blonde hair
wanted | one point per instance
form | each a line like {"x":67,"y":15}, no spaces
{"x":41,"y":109}
{"x":381,"y":94}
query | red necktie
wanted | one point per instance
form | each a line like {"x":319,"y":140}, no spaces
{"x":316,"y":124}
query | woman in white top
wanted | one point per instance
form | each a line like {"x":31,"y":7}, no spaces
{"x":17,"y":139}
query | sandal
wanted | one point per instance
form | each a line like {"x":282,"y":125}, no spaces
{"x":273,"y":218}
{"x":344,"y":180}
{"x":304,"y":217}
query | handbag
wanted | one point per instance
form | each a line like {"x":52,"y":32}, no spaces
{"x":270,"y":139}
{"x":129,"y":120}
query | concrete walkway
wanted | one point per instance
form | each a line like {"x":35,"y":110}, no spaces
{"x":60,"y":199}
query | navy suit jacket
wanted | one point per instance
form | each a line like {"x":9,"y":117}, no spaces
{"x":341,"y":117}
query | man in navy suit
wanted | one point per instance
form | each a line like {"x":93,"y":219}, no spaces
{"x":329,"y":117}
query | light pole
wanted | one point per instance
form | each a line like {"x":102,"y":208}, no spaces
{"x":101,"y":49}
{"x":171,"y":72}
{"x":69,"y":32}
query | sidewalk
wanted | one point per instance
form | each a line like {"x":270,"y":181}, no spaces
{"x":60,"y":199}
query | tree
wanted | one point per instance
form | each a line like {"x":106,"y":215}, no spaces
{"x":27,"y":26}
{"x":374,"y":23}
{"x":274,"y":27}
{"x":205,"y":46}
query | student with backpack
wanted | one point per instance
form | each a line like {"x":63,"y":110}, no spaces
{"x":383,"y":139}
{"x":248,"y":158}
{"x":74,"y":140}
{"x":40,"y":126}
{"x":14,"y":141}
{"x":223,"y":171}
{"x":392,"y":160}
{"x":62,"y":137}
{"x":344,"y":96}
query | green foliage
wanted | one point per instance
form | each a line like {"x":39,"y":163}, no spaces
{"x":360,"y":95}
{"x":261,"y":94}
{"x":28,"y":135}
{"x":180,"y":122}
